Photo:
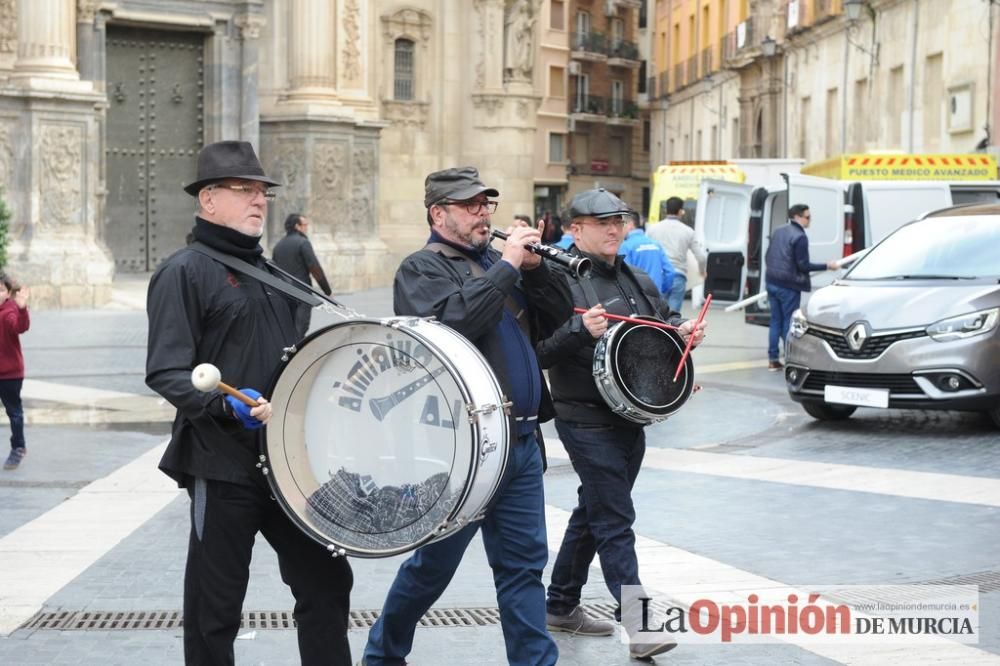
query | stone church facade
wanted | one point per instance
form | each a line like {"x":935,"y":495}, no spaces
{"x":104,"y":105}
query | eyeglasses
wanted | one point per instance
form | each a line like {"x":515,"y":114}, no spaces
{"x":474,"y":207}
{"x":618,"y":222}
{"x":247,"y":189}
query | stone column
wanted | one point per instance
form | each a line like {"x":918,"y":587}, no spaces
{"x":489,"y":37}
{"x":90,"y":40}
{"x":46,"y":31}
{"x":249,"y":26}
{"x":312,"y":66}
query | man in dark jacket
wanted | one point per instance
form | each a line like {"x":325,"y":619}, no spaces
{"x":294,"y":253}
{"x":606,"y":449}
{"x":502,"y":303}
{"x":787,"y":276}
{"x":200,"y":311}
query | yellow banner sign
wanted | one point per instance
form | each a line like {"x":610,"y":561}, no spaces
{"x":918,"y":167}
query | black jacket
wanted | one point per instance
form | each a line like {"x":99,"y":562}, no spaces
{"x":787,"y":259}
{"x":431,"y":284}
{"x":201,"y":312}
{"x":569,"y":353}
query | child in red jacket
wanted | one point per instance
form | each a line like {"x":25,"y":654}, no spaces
{"x":13,"y":322}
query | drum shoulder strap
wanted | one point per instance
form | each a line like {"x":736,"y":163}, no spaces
{"x":252,"y":271}
{"x":511,"y":305}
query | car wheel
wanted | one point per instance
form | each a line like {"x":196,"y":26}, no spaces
{"x":824,"y":411}
{"x":995,"y":415}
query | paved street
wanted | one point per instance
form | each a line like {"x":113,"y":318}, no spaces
{"x":739,"y":491}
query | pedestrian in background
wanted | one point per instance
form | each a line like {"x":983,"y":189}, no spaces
{"x":294,"y":253}
{"x":677,"y":239}
{"x":14,"y":321}
{"x":787,"y":276}
{"x":643,"y":252}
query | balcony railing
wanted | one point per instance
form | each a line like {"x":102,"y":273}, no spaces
{"x":822,"y":10}
{"x":739,"y":40}
{"x":678,"y":76}
{"x":623,"y":108}
{"x":624,"y":50}
{"x":590,"y":42}
{"x":650,"y":87}
{"x":664,"y":83}
{"x":706,"y":61}
{"x":591,"y":104}
{"x":692,"y":69}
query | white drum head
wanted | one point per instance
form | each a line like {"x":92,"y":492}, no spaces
{"x":370,"y":447}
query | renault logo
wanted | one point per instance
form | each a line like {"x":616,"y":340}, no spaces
{"x":857,"y":334}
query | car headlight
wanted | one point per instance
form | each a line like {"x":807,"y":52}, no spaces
{"x":799,"y":325}
{"x":964,"y":326}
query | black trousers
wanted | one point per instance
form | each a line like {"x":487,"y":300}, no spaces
{"x":225,"y":518}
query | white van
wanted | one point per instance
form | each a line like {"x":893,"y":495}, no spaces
{"x":735,"y":221}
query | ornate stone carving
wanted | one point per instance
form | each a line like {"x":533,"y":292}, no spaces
{"x":351,"y":52}
{"x":363,"y":191}
{"x":405,"y":114}
{"x":249,"y":25}
{"x":519,"y":40}
{"x":8,"y":26}
{"x":285,"y":164}
{"x":330,"y":174}
{"x":86,"y":10}
{"x":481,"y":41}
{"x":6,"y":156}
{"x":61,"y":176}
{"x":489,"y":102}
{"x":415,"y":24}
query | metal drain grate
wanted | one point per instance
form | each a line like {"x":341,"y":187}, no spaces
{"x":65,"y":620}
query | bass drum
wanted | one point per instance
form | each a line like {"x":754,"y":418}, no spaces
{"x":385,"y":435}
{"x":634,"y":366}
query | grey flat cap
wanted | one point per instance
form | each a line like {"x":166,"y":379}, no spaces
{"x":456,"y":184}
{"x":598,"y":203}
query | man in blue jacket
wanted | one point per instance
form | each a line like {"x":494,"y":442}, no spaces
{"x":643,"y":252}
{"x":787,"y":276}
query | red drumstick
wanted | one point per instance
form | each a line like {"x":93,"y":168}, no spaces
{"x":631,"y":320}
{"x":687,"y":350}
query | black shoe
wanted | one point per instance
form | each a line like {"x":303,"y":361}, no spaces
{"x":646,"y":651}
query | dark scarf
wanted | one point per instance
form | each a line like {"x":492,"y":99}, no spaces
{"x":481,"y":257}
{"x":227,"y":240}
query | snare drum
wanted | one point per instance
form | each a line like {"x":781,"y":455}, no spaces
{"x":634,"y":366}
{"x":385,"y":435}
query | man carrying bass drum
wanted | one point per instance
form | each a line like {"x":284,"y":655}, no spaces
{"x":606,"y":449}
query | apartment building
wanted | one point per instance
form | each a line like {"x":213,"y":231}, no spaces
{"x":816,"y":78}
{"x":606,"y":143}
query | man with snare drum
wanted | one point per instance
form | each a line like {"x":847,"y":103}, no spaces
{"x":503,"y":303}
{"x":606,"y":449}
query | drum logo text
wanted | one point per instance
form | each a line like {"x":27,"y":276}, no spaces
{"x":401,"y":354}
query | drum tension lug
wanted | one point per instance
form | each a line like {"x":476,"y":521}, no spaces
{"x":474,"y":411}
{"x":287,"y":353}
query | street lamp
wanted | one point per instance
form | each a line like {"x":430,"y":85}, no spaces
{"x":853,"y":9}
{"x":768,"y":47}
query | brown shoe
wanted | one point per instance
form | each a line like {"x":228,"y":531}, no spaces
{"x":774,"y":366}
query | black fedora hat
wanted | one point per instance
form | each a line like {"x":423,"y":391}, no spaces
{"x":227,"y":159}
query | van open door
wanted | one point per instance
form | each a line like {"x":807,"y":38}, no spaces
{"x":722,"y":228}
{"x":825,"y":198}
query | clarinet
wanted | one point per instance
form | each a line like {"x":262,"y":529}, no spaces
{"x":579,"y":265}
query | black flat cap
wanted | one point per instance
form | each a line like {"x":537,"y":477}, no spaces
{"x":598,"y":203}
{"x":457,"y":184}
{"x":227,"y":159}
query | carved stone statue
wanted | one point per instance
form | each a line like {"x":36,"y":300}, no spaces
{"x":519,"y":51}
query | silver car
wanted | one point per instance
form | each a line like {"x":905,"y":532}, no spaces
{"x":913,"y":324}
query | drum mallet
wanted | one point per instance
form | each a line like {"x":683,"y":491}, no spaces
{"x":206,"y":377}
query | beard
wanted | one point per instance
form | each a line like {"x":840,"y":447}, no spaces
{"x":468,"y":238}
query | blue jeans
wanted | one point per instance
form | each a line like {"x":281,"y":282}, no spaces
{"x":10,"y":395}
{"x":517,"y":550}
{"x":784,"y":302}
{"x":675,"y":297}
{"x":607,"y":460}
